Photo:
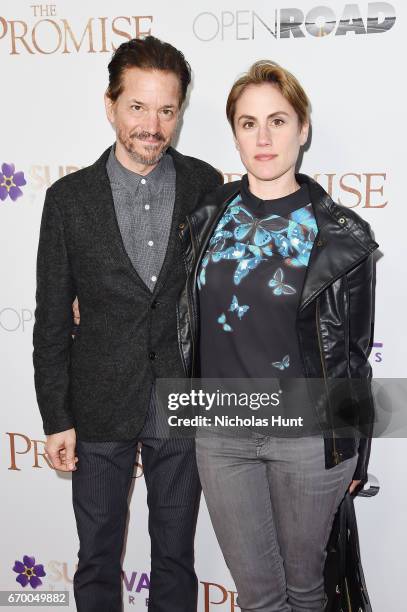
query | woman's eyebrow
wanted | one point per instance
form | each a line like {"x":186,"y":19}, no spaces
{"x":251,"y":117}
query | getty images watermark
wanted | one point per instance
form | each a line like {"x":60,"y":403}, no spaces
{"x":220,"y":400}
{"x":280,"y":406}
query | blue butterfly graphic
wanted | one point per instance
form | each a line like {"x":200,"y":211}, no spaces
{"x":236,"y":252}
{"x":283,"y":245}
{"x":294,"y":233}
{"x":279,"y":287}
{"x":222,"y":320}
{"x":301,"y":235}
{"x":301,"y":259}
{"x":224,"y":221}
{"x":218,"y":240}
{"x":214,"y":253}
{"x":284,"y":363}
{"x":246,"y":263}
{"x":201,"y":280}
{"x":259,"y":251}
{"x":258,"y":230}
{"x":303,"y":216}
{"x":241,"y":310}
{"x":244,"y":267}
{"x":303,"y":251}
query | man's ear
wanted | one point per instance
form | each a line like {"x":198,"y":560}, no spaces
{"x":109,"y":106}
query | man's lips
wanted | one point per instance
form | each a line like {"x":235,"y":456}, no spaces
{"x":151,"y":141}
{"x":265,"y":156}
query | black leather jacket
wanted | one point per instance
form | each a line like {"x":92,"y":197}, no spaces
{"x":334,"y":320}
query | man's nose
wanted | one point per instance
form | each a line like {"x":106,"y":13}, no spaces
{"x":152,"y":124}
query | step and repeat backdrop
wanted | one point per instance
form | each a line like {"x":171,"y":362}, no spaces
{"x":54,"y":57}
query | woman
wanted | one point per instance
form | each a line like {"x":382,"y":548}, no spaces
{"x":280,"y":283}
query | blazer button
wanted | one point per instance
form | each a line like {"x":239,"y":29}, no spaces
{"x":181,"y":226}
{"x":320,"y":243}
{"x":152,"y":356}
{"x":154,"y":304}
{"x":342,"y":220}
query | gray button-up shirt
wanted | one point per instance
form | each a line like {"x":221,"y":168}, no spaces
{"x":144,"y":207}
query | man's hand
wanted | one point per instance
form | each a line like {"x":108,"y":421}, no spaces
{"x":60,"y":448}
{"x":76,"y":313}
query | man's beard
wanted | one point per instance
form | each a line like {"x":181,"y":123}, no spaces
{"x":146,"y":160}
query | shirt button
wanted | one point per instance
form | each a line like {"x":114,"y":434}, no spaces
{"x":153,"y":278}
{"x":150,"y":243}
{"x":152,"y":355}
{"x":147,"y":206}
{"x":143,"y":181}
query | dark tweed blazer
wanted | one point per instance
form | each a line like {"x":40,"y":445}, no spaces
{"x":100,"y":383}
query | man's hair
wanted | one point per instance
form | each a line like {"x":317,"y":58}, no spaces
{"x":148,"y":53}
{"x":266,"y":71}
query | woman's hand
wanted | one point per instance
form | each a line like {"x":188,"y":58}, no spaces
{"x":76,"y":313}
{"x":354,"y":484}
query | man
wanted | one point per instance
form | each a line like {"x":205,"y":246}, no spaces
{"x":109,"y":235}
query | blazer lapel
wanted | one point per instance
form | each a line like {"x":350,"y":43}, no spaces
{"x":340,"y":244}
{"x":100,"y":202}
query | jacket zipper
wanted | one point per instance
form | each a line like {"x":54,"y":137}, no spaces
{"x":189,"y":301}
{"x":317,"y":317}
{"x":347,"y":596}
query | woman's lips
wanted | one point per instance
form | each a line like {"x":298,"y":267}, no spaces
{"x":265,"y":157}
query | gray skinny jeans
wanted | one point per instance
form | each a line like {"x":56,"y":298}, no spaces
{"x":272,"y":505}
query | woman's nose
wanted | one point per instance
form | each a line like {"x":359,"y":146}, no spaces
{"x":263,"y":136}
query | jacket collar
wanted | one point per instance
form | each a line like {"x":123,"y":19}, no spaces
{"x":343,"y":238}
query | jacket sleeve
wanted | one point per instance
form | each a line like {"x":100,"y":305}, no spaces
{"x":217,"y":179}
{"x":361,"y":321}
{"x":212,"y":179}
{"x":53,"y":321}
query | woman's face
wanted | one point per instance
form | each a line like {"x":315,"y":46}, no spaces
{"x":267,"y":132}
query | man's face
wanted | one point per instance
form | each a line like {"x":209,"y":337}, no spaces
{"x":145,"y":114}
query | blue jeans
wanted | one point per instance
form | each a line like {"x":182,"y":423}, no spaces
{"x":272,"y":505}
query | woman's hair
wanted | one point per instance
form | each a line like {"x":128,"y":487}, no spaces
{"x":148,"y":53}
{"x":266,"y":71}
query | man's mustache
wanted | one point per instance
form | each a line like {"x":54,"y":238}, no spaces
{"x":148,"y":135}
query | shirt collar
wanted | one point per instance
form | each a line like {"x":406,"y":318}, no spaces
{"x":279,"y":206}
{"x":155,"y":180}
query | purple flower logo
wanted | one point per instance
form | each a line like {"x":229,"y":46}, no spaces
{"x":10,"y":182}
{"x":28,"y":572}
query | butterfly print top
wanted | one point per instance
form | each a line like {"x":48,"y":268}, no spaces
{"x":250,"y":282}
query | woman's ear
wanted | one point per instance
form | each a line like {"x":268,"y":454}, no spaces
{"x":304,"y":131}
